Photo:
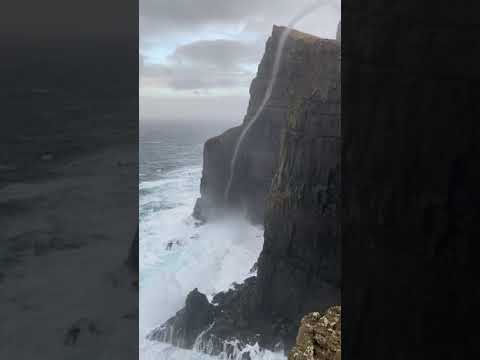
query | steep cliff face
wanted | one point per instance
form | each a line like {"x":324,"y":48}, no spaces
{"x":299,"y":75}
{"x":298,"y":269}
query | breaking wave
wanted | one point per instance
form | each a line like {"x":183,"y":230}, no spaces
{"x":177,"y":254}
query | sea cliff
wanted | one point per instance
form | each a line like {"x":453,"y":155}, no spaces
{"x":287,"y":179}
{"x":308,"y":65}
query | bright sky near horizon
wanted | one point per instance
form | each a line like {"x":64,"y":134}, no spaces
{"x":198,"y":57}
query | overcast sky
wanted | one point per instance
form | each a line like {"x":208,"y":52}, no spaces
{"x":198,"y":57}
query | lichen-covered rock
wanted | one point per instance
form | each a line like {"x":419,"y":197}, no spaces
{"x":319,"y":337}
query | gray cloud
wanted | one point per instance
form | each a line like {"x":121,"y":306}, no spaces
{"x":194,"y":12}
{"x":195,"y":77}
{"x":162,"y":16}
{"x":189,"y":14}
{"x":204,"y":65}
{"x":225,"y":54}
{"x":212,"y":69}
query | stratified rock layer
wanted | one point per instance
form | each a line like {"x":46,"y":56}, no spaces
{"x":319,"y":337}
{"x":301,"y":73}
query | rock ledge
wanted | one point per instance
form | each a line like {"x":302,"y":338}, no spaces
{"x":319,"y":337}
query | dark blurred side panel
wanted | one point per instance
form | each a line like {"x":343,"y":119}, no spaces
{"x":410,"y":180}
{"x":69,"y":179}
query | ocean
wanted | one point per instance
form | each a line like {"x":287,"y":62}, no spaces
{"x":178,"y":255}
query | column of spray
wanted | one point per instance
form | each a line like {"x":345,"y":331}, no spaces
{"x":268,"y":93}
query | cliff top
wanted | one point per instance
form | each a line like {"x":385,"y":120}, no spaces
{"x":298,"y":35}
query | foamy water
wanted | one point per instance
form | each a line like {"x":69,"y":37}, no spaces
{"x":177,"y":255}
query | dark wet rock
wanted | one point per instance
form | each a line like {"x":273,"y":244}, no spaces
{"x":183,"y":329}
{"x":175,"y":243}
{"x":209,"y":327}
{"x":226,"y":325}
{"x":308,"y":63}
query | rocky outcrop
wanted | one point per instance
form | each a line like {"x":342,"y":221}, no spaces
{"x":319,"y":337}
{"x":183,"y":329}
{"x":301,"y":72}
{"x":224,"y":326}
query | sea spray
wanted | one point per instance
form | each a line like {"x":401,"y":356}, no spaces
{"x":208,"y":257}
{"x":268,"y":93}
{"x":204,"y":345}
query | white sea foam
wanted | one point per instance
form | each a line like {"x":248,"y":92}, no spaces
{"x":151,"y":350}
{"x":177,"y":255}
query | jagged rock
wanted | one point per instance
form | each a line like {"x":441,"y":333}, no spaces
{"x":183,"y":329}
{"x":209,"y":326}
{"x":308,"y":63}
{"x":319,"y":337}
